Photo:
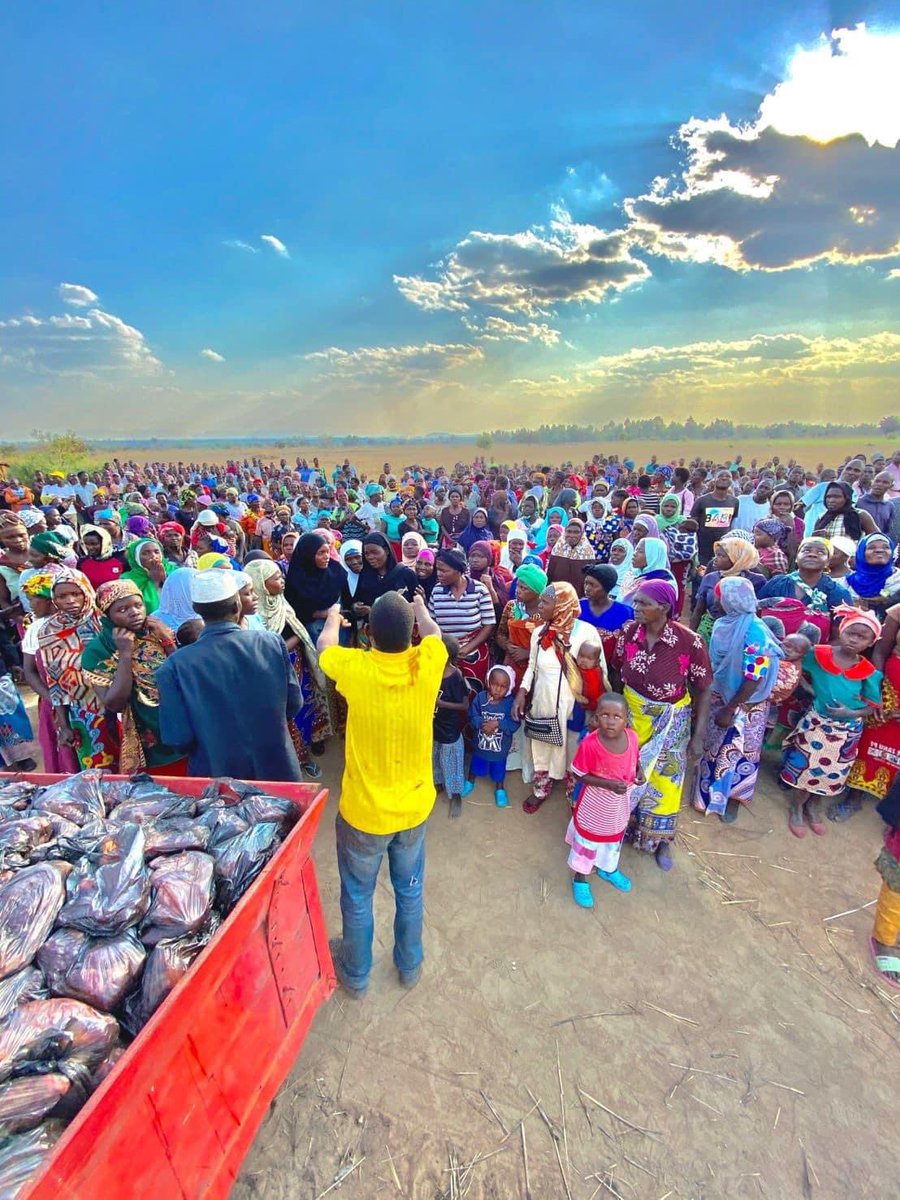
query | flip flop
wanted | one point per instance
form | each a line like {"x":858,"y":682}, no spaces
{"x":885,"y":962}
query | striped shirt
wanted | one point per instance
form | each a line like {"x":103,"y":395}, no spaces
{"x":602,"y":815}
{"x":464,"y":616}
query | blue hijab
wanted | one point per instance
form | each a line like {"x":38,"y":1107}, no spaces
{"x":868,"y":581}
{"x":737,"y":638}
{"x":541,"y":534}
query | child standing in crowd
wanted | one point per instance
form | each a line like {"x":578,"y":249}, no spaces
{"x":822,"y":747}
{"x":452,"y":705}
{"x":608,"y":765}
{"x":494,"y":725}
{"x":592,"y":686}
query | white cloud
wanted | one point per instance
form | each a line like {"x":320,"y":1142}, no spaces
{"x":895,"y":274}
{"x":525,"y":273}
{"x":86,"y":343}
{"x":237,"y":244}
{"x":848,"y":83}
{"x":498,"y":329}
{"x":409,"y":361}
{"x":212,"y":355}
{"x":277,"y":245}
{"x":77,"y":295}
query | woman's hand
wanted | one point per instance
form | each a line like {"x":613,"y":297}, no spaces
{"x":518,"y":708}
{"x":489,"y":584}
{"x":518,"y":653}
{"x":725,"y":718}
{"x":124,"y":641}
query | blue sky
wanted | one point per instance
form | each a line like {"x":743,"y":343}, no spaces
{"x":402,"y":218}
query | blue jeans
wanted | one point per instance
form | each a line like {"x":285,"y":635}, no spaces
{"x":359,"y":858}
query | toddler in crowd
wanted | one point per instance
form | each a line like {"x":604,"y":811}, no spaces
{"x":790,"y":672}
{"x":450,"y":709}
{"x":607,"y":763}
{"x":588,"y":661}
{"x":491,"y":718}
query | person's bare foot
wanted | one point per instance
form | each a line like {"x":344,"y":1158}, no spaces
{"x":455,"y":806}
{"x":796,"y":824}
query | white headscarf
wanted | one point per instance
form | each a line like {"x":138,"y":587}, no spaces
{"x":351,"y":546}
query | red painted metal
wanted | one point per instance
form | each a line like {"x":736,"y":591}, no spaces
{"x":176,"y":1117}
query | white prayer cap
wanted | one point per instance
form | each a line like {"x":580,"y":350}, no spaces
{"x":208,"y":587}
{"x":207,"y":517}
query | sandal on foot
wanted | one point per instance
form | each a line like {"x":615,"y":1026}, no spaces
{"x":581,"y":893}
{"x":885,"y":963}
{"x":313,"y":770}
{"x":816,"y":826}
{"x":699,"y":806}
{"x":799,"y":831}
{"x":617,"y":879}
{"x":730,"y":815}
{"x":500,"y":798}
{"x":532,"y":804}
{"x":467,"y":788}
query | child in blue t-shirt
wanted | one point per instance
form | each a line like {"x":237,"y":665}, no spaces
{"x":491,"y":718}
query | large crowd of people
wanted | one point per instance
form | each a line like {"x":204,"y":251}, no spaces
{"x":631,"y":636}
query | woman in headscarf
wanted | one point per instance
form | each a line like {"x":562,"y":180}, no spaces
{"x":57,"y":759}
{"x":496,"y":579}
{"x":598,"y":607}
{"x":621,"y":559}
{"x":176,"y":547}
{"x":381,"y":573}
{"x":14,"y":560}
{"x":353,"y":563}
{"x":313,"y":724}
{"x":791,"y":534}
{"x":314,"y":582}
{"x":514,"y":549}
{"x":644,"y":526}
{"x":744,"y":657}
{"x":410,"y":545}
{"x":767,"y":537}
{"x":874,"y":576}
{"x":732,"y":556}
{"x":120,"y":664}
{"x":288,"y":545}
{"x":603,"y":533}
{"x":478,"y":530}
{"x":550,"y":688}
{"x":568,"y":556}
{"x":100,"y":564}
{"x":463,"y":608}
{"x":175,"y":606}
{"x":651,"y":561}
{"x":840,"y":515}
{"x":679,"y":532}
{"x":555,"y":516}
{"x":47,"y":550}
{"x":139,"y":526}
{"x":520,"y":618}
{"x":81,"y":722}
{"x":426,"y":576}
{"x":665,"y":673}
{"x":148,"y":569}
{"x":809,"y":583}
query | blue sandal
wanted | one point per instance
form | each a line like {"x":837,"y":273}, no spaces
{"x":500,"y":798}
{"x":616,"y":878}
{"x":581,"y":892}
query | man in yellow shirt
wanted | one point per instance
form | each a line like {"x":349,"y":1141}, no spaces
{"x":388,"y":790}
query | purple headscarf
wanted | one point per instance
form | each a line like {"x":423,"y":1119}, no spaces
{"x":140,"y":526}
{"x":659,"y":592}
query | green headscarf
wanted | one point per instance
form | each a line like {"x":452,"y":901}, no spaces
{"x":532,"y":576}
{"x":51,"y":545}
{"x":667,"y":522}
{"x":138,"y":574}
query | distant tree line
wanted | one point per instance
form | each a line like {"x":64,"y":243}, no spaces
{"x":659,"y":429}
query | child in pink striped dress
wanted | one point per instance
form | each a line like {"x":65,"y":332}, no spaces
{"x":608,"y":765}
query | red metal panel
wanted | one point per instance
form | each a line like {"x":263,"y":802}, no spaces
{"x":178,"y":1114}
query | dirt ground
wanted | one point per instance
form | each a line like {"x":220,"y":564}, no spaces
{"x":719,"y":1032}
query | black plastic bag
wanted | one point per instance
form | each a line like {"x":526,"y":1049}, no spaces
{"x":166,"y":966}
{"x":44,"y":1036}
{"x":183,"y":890}
{"x":19,"y":837}
{"x":78,"y":798}
{"x":155,"y":806}
{"x":27,"y":984}
{"x":101,"y":971}
{"x":224,"y":793}
{"x":29,"y":904}
{"x":25,"y":1102}
{"x":170,"y":837}
{"x":240,"y":859}
{"x":224,"y":823}
{"x":259,"y":809}
{"x":23,"y":1155}
{"x":108,"y":890}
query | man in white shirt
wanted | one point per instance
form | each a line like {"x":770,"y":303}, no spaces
{"x":83,"y":490}
{"x":755,"y":506}
{"x":371,"y":511}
